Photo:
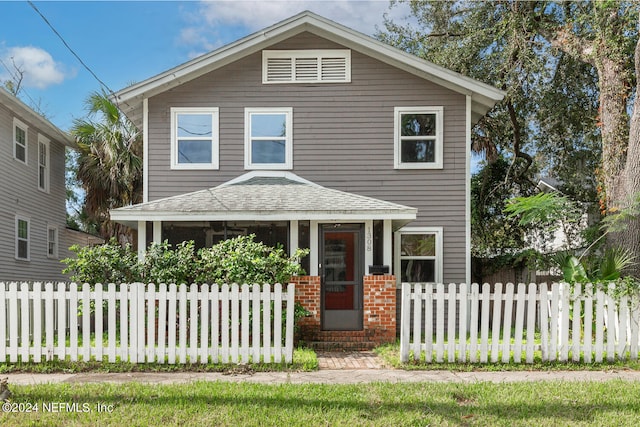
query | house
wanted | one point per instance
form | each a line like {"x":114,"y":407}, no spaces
{"x":33,"y":233}
{"x":310,"y":134}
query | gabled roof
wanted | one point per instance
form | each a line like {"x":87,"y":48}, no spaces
{"x":265,"y":196}
{"x":483,"y":96}
{"x":32,"y":118}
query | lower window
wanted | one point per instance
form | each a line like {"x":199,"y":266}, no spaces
{"x":22,"y":238}
{"x":419,"y":255}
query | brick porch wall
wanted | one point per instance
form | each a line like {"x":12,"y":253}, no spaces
{"x":379,"y":307}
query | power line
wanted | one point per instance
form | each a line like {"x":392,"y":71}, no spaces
{"x":109,"y":90}
{"x":69,"y":47}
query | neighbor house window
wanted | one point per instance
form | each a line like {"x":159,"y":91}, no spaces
{"x":418,"y":137}
{"x":52,"y":242}
{"x":268,"y":138}
{"x":419,"y":255}
{"x":194,"y":138}
{"x":43,"y":163}
{"x":20,"y":141}
{"x":22,"y":238}
{"x":306,"y":66}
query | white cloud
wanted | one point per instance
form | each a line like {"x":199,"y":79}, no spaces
{"x":37,"y":65}
{"x":214,"y":19}
{"x":254,"y":15}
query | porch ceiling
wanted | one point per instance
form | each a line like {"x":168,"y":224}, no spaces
{"x":269,"y":197}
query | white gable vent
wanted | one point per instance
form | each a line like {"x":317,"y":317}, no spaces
{"x":306,"y":66}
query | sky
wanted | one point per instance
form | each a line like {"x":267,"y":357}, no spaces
{"x":124,"y":42}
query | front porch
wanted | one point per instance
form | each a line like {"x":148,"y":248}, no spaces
{"x":350,"y":238}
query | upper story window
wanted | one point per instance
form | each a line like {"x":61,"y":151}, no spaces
{"x":418,"y":137}
{"x":43,"y":163}
{"x":306,"y":66}
{"x":194,"y":138}
{"x":268,"y":138}
{"x":20,"y":141}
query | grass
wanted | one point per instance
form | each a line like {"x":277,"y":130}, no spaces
{"x":303,"y":360}
{"x":390,"y":354}
{"x":376,"y":404}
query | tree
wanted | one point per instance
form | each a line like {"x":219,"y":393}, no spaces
{"x":551,"y":98}
{"x":568,"y":71}
{"x":109,"y":163}
{"x":604,"y":34}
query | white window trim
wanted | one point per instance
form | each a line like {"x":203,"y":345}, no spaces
{"x":438,"y":232}
{"x":28,"y":239}
{"x":397,"y":158}
{"x":307,"y":53}
{"x":47,"y":171}
{"x":25,"y":128}
{"x":55,"y":242}
{"x":215,"y":144}
{"x":288,"y":161}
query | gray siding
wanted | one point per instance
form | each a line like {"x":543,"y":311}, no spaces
{"x":19,"y":195}
{"x":342,"y":133}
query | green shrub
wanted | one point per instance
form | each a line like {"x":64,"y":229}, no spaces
{"x":239,"y":260}
{"x":162,"y":264}
{"x":107,"y":263}
{"x":243,"y":260}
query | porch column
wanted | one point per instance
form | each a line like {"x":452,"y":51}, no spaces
{"x":293,"y":236}
{"x":313,"y":254}
{"x":387,"y":251}
{"x":368,"y":244}
{"x":142,"y":239}
{"x":157,"y":231}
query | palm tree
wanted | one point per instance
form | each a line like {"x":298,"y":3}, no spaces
{"x":109,"y":163}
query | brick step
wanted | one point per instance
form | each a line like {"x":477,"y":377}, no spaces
{"x":342,"y":345}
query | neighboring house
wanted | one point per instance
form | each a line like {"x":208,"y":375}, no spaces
{"x":566,"y":236}
{"x":310,"y":134}
{"x":33,"y":234}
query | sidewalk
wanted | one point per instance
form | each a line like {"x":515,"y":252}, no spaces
{"x":335,"y":368}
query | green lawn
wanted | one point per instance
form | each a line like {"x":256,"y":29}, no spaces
{"x":379,"y":404}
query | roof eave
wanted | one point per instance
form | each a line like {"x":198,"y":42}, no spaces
{"x":483,"y":95}
{"x":46,"y":127}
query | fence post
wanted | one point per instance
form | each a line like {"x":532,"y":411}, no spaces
{"x":464,"y":318}
{"x":140,"y":345}
{"x":417,"y":319}
{"x":291,"y":292}
{"x":3,"y":326}
{"x":405,"y":319}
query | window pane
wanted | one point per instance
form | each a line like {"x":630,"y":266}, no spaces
{"x":268,"y":151}
{"x":20,"y":136}
{"x":23,"y":249}
{"x":194,"y":125}
{"x":418,"y":245}
{"x":422,"y":270}
{"x":43,"y":154}
{"x":41,"y":177}
{"x":20,"y":153}
{"x":194,"y":151}
{"x":418,"y":151}
{"x":23,"y":229}
{"x":418,"y":125}
{"x":265,"y":125}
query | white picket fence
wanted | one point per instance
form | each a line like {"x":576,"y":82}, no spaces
{"x":143,"y":323}
{"x":559,"y":322}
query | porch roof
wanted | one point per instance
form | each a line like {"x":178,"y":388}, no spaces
{"x":266,"y":197}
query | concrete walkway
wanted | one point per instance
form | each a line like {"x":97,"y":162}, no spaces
{"x":335,"y":368}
